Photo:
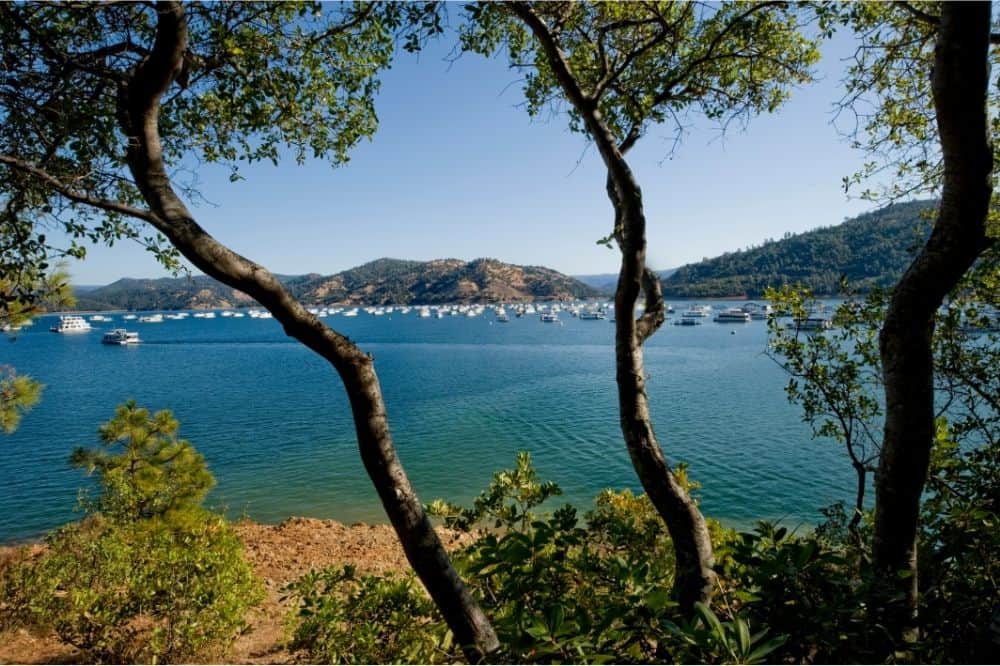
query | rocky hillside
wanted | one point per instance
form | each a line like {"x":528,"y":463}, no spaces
{"x":442,"y":281}
{"x":382,"y":281}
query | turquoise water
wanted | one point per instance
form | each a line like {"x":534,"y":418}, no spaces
{"x":463,"y":394}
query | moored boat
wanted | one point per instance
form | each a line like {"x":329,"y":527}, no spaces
{"x":71,"y":324}
{"x":733,"y":316}
{"x":119,"y":336}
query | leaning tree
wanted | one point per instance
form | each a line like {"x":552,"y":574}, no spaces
{"x":99,"y":103}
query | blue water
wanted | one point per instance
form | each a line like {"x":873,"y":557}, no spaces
{"x":463,"y":394}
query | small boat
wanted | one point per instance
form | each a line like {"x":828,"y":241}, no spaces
{"x":100,"y":318}
{"x":687,"y":321}
{"x":120,"y":336}
{"x":151,"y":319}
{"x":592,"y":315}
{"x":71,"y":324}
{"x":550,"y":318}
{"x":502,"y":317}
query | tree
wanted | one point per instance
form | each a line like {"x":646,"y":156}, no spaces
{"x":22,"y":296}
{"x":100,"y":100}
{"x":835,"y":377}
{"x":921,"y":66}
{"x":623,"y":67}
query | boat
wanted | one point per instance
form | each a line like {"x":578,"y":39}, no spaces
{"x":151,"y":319}
{"x":502,"y":317}
{"x":71,"y":324}
{"x":119,"y":336}
{"x":592,"y":314}
{"x":100,"y":318}
{"x":810,"y":324}
{"x":550,"y":318}
{"x":687,"y":321}
{"x":698,"y":311}
{"x":759,"y":311}
{"x":733,"y":316}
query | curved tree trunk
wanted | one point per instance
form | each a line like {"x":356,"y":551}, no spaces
{"x":138,"y":114}
{"x":694,"y":577}
{"x":959,"y":82}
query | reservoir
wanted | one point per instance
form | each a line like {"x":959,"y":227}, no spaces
{"x":464,"y":395}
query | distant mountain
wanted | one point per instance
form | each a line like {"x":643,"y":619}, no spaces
{"x":184,"y":293}
{"x":378,"y":282}
{"x":870,"y":250}
{"x":442,"y":281}
{"x":606,"y":283}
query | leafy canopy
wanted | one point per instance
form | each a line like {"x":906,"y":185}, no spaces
{"x":257,"y":77}
{"x":645,"y":63}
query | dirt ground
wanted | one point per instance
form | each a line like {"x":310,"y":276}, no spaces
{"x":279,"y":554}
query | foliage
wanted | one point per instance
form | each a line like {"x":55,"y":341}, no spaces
{"x":868,"y":252}
{"x":811,"y":588}
{"x":834,"y":376}
{"x":559,"y":590}
{"x":155,"y":474}
{"x":344,"y":618}
{"x":646,"y":63}
{"x":959,"y":542}
{"x":507,"y":502}
{"x":148,"y":574}
{"x":18,"y":394}
{"x":258,"y":79}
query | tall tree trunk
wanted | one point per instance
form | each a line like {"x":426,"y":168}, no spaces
{"x":959,"y":80}
{"x":138,"y":115}
{"x":694,"y":579}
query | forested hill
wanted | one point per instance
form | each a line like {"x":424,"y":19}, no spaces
{"x":869,"y":250}
{"x":378,"y":282}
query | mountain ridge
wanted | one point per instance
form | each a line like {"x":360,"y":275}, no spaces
{"x":382,"y":281}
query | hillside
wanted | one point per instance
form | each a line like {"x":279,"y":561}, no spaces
{"x":442,"y":281}
{"x":378,"y":282}
{"x":869,"y":250}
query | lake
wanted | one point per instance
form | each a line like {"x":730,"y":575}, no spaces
{"x":464,"y":395}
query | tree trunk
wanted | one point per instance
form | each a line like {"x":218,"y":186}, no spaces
{"x":859,"y":497}
{"x":694,"y":577}
{"x":959,"y":82}
{"x":138,"y":113}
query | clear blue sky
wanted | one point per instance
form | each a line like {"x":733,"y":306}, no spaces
{"x":457,"y":169}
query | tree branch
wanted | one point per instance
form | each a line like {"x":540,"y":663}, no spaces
{"x":80,"y":197}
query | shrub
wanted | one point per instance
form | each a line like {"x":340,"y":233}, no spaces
{"x":148,"y":574}
{"x":344,"y":618}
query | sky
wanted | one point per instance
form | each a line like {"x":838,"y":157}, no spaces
{"x":458,"y":169}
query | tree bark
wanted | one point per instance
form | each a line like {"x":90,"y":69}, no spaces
{"x":694,"y":577}
{"x":959,"y":82}
{"x":138,"y":116}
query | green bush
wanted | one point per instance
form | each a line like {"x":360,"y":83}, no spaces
{"x":148,"y":575}
{"x":344,"y":618}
